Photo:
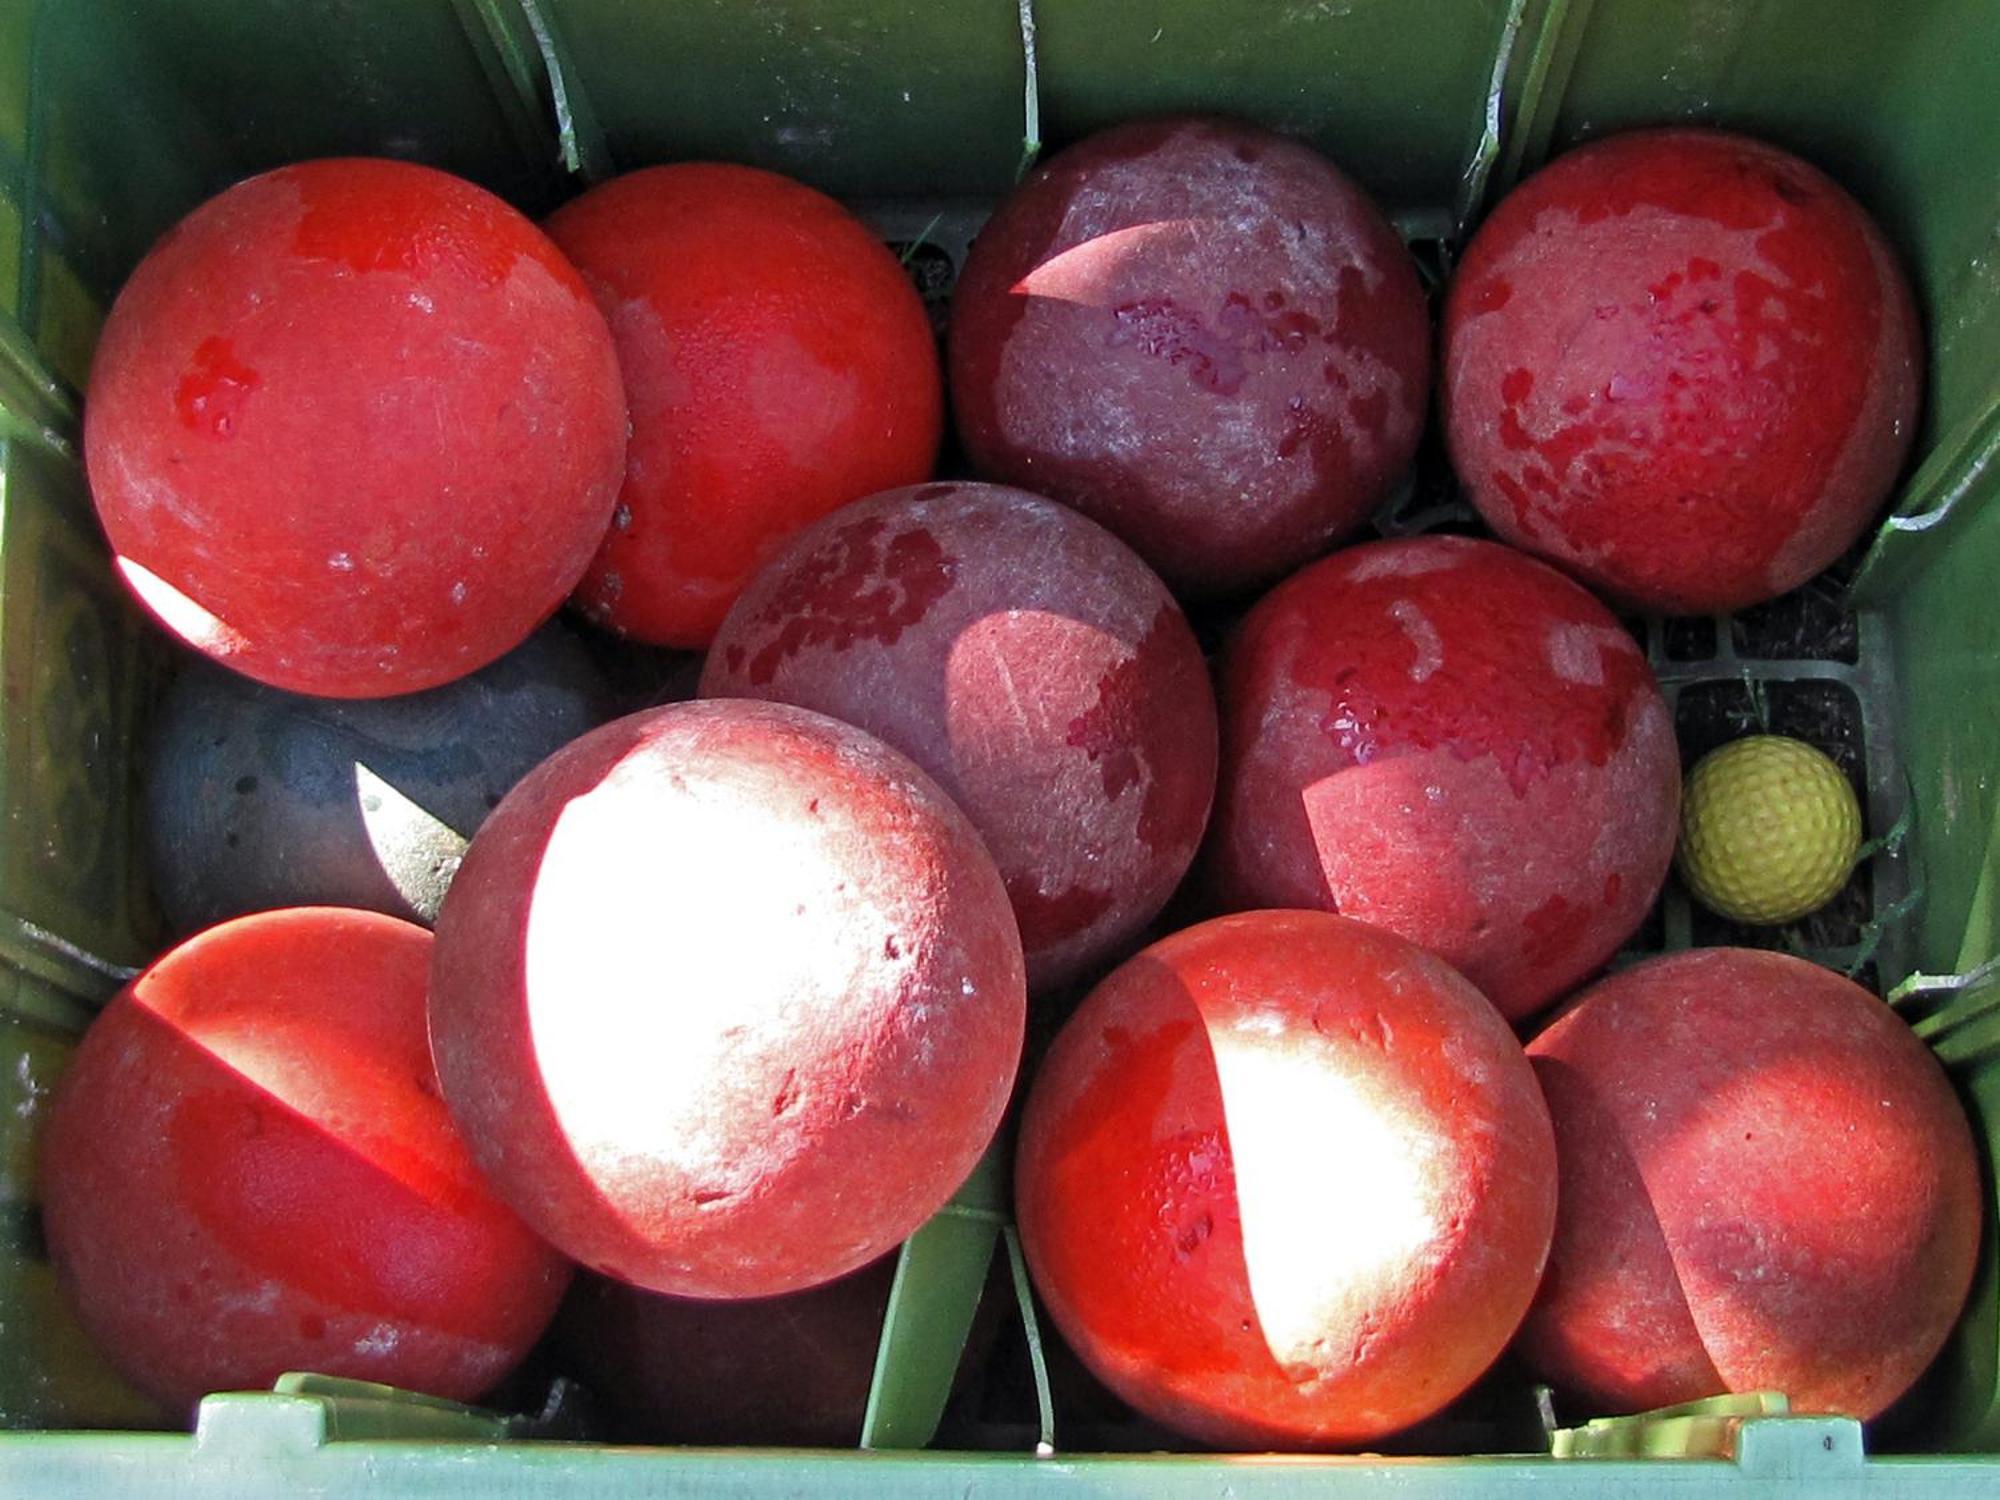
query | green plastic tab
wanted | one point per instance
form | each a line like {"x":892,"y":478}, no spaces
{"x":939,"y":1278}
{"x":1697,"y":1429}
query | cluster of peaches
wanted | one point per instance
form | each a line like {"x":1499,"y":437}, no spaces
{"x":728,"y":996}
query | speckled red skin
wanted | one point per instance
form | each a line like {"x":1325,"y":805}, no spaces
{"x":792,"y":1371}
{"x":727,"y":999}
{"x":1767,"y":1184}
{"x":1682,"y":365}
{"x":778,"y":362}
{"x":355,"y":428}
{"x":1030,"y":662}
{"x":246,"y":1170}
{"x":1202,"y":335}
{"x":1455,"y":742}
{"x":1286,"y":1180}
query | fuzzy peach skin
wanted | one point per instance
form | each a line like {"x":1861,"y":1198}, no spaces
{"x":247,"y":1170}
{"x":1454,"y":742}
{"x":727,"y":999}
{"x":1201,"y":334}
{"x":1767,"y":1184}
{"x":1682,"y":365}
{"x":779,"y":364}
{"x":1285,"y":1180}
{"x":354,"y":428}
{"x":1029,"y":661}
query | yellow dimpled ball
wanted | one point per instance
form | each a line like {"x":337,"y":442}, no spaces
{"x":1769,"y":830}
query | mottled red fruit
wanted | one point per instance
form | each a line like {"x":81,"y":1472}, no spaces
{"x":1030,"y":662}
{"x":792,"y":1371}
{"x":1450,"y":740}
{"x":1286,"y":1180}
{"x":1682,"y":365}
{"x":1200,"y":334}
{"x":727,"y":998}
{"x":1766,"y":1184}
{"x":354,"y":428}
{"x":779,"y":364}
{"x":246,"y":1170}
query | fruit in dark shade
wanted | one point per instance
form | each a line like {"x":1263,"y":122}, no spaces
{"x":1767,"y":1184}
{"x":1030,"y":662}
{"x":1200,"y":334}
{"x":258,"y":798}
{"x":727,"y":999}
{"x":246,"y":1170}
{"x":1452,"y":741}
{"x":778,"y":363}
{"x":1286,"y":1180}
{"x":355,"y":428}
{"x":792,"y":1370}
{"x":1682,"y":365}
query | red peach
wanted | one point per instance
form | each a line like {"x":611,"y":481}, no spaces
{"x":1767,"y":1184}
{"x":727,"y":998}
{"x":779,"y":364}
{"x":1286,"y":1179}
{"x":1682,"y":365}
{"x":1202,"y":335}
{"x":1452,"y":741}
{"x":246,"y":1170}
{"x":1026,"y":659}
{"x":354,"y":428}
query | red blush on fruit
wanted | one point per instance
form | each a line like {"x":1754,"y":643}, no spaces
{"x":1285,"y":1180}
{"x":1682,"y":365}
{"x":354,"y":428}
{"x":1454,"y":742}
{"x":247,"y":1170}
{"x":779,"y":364}
{"x":1203,"y":336}
{"x":1030,"y":662}
{"x":727,"y":999}
{"x":1767,"y":1184}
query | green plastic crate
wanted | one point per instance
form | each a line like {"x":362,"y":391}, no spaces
{"x":116,"y":116}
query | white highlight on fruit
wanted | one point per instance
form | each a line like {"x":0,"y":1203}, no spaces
{"x":192,"y":622}
{"x":1336,"y":1194}
{"x":692,"y":919}
{"x":1417,"y":625}
{"x":1082,"y":273}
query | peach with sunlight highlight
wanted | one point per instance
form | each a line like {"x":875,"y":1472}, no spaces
{"x":1286,"y":1180}
{"x":727,"y":998}
{"x":1767,"y":1184}
{"x":1452,"y":741}
{"x":247,"y":1170}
